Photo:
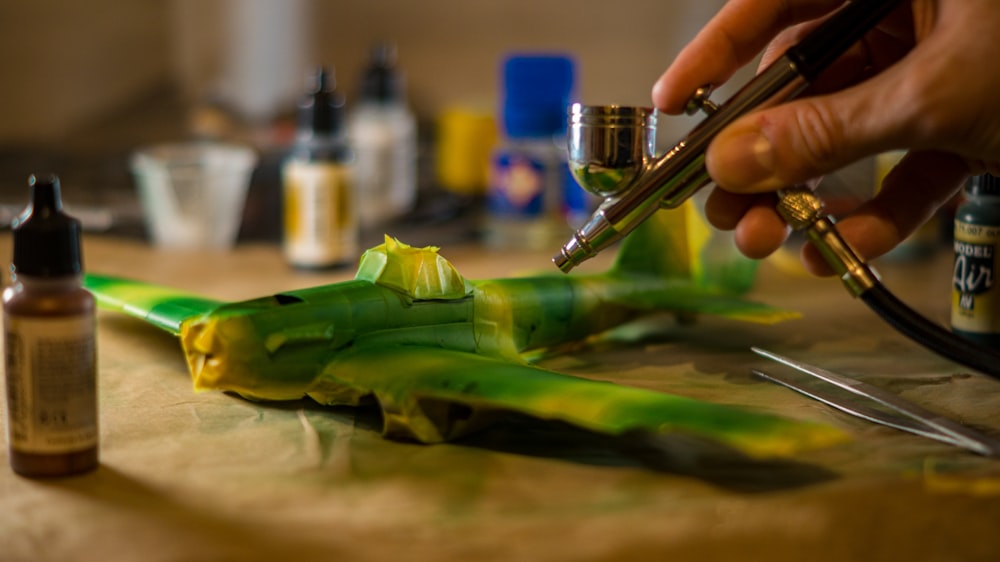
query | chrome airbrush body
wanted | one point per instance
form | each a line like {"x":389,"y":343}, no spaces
{"x":635,"y":188}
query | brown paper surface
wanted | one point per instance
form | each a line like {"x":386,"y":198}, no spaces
{"x":208,"y":476}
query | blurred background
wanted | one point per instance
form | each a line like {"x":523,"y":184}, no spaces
{"x":86,"y":83}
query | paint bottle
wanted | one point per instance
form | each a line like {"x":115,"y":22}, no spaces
{"x":975,"y":302}
{"x":383,"y":135}
{"x":321,"y":227}
{"x":49,"y":335}
{"x":531,"y":197}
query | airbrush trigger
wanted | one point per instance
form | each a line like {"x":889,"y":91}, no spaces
{"x":700,"y":101}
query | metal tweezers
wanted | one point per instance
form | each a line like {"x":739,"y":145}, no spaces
{"x":911,"y":418}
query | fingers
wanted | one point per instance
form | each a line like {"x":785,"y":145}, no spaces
{"x":894,"y":89}
{"x":759,"y":230}
{"x":899,"y":106}
{"x":724,"y":209}
{"x":919,"y":184}
{"x":880,"y":48}
{"x":740,"y":30}
{"x":806,"y":138}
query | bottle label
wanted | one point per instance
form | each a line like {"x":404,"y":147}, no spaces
{"x":975,"y":306}
{"x":321,"y":219}
{"x":51,"y":384}
{"x":384,"y":142}
{"x":518,"y":185}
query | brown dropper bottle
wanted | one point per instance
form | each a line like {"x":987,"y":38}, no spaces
{"x":50,"y":345}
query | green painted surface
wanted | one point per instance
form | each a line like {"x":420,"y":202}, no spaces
{"x":442,"y":355}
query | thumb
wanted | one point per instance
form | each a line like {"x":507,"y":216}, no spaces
{"x":800,"y":140}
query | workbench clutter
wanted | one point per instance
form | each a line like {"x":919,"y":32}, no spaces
{"x":209,"y":475}
{"x":352,"y":168}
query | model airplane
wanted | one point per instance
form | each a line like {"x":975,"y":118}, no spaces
{"x":441,"y":355}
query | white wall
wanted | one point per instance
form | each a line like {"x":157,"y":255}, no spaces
{"x":64,"y":63}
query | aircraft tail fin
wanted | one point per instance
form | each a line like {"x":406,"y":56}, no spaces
{"x":679,"y":243}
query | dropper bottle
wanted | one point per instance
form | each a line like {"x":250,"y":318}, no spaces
{"x":50,"y":344}
{"x":383,"y":133}
{"x":975,"y":296}
{"x":321,"y":226}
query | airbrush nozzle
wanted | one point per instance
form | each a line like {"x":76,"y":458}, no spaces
{"x":587,"y":242}
{"x":567,"y":259}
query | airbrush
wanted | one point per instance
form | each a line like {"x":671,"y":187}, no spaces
{"x":612,"y":154}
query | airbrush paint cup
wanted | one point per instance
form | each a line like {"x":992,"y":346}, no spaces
{"x":609,"y":145}
{"x":193,"y":194}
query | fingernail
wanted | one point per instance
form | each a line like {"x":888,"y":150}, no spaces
{"x":743,"y":161}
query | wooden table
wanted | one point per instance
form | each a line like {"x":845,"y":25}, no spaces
{"x":188,"y":476}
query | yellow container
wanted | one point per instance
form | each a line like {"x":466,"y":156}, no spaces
{"x":464,"y":141}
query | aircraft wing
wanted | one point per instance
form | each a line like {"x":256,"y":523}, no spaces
{"x":164,"y":307}
{"x":432,"y":395}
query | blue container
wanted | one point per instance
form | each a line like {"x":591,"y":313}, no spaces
{"x":537,"y":89}
{"x":531,"y":197}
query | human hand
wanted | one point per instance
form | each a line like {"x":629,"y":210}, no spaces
{"x":924,"y":79}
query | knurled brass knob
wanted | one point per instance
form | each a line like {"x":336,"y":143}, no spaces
{"x":799,"y":207}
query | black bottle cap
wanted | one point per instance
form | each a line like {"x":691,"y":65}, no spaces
{"x":46,"y":240}
{"x":984,"y":184}
{"x":321,"y":109}
{"x":381,"y":82}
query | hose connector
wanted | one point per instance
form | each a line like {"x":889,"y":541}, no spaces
{"x":803,"y":211}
